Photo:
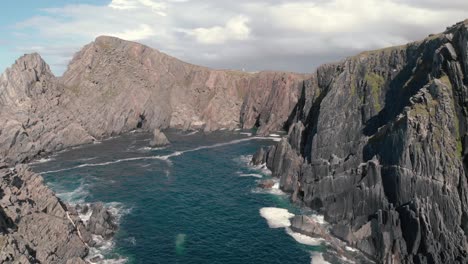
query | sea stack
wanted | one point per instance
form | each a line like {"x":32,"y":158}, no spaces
{"x":159,"y":139}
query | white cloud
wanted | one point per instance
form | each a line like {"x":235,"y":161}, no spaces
{"x":144,"y":31}
{"x":236,"y":28}
{"x":157,"y":7}
{"x":295,"y":35}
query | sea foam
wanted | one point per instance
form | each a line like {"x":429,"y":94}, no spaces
{"x":163,"y":157}
{"x":276,"y":217}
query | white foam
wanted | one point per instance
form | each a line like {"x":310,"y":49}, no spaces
{"x":150,"y":148}
{"x":351,"y":249}
{"x":275,"y":190}
{"x":274,"y":135}
{"x":246,"y":133}
{"x":103,"y":247}
{"x":317,"y":258}
{"x":319,"y":219}
{"x":88,"y":159}
{"x":117,"y":210}
{"x":76,"y":196}
{"x":165,"y":157}
{"x":85,"y":217}
{"x":276,"y":217}
{"x":255,"y":175}
{"x":42,"y":160}
{"x":191,"y":133}
{"x":303,"y":239}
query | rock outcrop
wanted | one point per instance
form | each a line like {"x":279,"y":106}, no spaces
{"x":35,"y":226}
{"x":101,"y":222}
{"x":378,"y":144}
{"x":114,"y":86}
{"x":159,"y":139}
{"x":137,"y":86}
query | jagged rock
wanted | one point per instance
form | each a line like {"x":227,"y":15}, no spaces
{"x":113,"y":86}
{"x":266,"y":184}
{"x":376,"y":145}
{"x":36,"y":226}
{"x":159,"y":139}
{"x":259,"y":157}
{"x":101,"y":222}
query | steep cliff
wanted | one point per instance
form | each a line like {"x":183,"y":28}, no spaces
{"x":123,"y":85}
{"x":35,"y":226}
{"x":114,"y":86}
{"x":32,"y":117}
{"x":378,"y":144}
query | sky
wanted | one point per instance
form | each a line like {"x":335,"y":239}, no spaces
{"x":250,"y":35}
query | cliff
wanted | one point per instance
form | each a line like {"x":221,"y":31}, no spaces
{"x":135,"y":85}
{"x":35,"y":226}
{"x":114,"y":86}
{"x":378,"y":144}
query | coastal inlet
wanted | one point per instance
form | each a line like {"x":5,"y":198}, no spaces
{"x":194,"y":201}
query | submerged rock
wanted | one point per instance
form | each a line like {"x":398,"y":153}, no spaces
{"x":266,"y":184}
{"x":159,"y":139}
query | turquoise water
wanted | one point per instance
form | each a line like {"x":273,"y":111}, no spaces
{"x":196,"y":201}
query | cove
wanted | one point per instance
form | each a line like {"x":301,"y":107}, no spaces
{"x":195,"y":201}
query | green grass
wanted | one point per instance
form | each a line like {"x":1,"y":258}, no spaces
{"x":376,"y":83}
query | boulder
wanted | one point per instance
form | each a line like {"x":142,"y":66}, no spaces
{"x":159,"y":139}
{"x":101,"y":222}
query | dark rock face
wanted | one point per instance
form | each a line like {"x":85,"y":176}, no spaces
{"x":101,"y":222}
{"x":377,"y":144}
{"x":259,"y":157}
{"x":159,"y":139}
{"x":35,"y":226}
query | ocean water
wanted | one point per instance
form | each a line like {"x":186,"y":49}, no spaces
{"x":196,"y":201}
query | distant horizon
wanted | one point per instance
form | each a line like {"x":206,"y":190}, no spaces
{"x":276,"y":35}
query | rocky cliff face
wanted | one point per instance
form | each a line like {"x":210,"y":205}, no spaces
{"x":35,"y":226}
{"x":134,"y":85}
{"x":114,"y":86}
{"x":377,"y":143}
{"x":32,"y":117}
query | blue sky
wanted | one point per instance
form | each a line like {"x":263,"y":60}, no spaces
{"x":14,"y":42}
{"x":293,"y":35}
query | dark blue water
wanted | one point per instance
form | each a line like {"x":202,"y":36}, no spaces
{"x":195,"y":206}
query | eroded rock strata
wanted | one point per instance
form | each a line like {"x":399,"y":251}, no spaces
{"x":378,"y":144}
{"x":37,"y":227}
{"x":114,"y":86}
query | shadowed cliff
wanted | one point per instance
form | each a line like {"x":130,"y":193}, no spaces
{"x":377,"y":143}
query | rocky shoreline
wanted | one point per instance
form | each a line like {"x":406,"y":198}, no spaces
{"x":37,"y":227}
{"x":378,"y":145}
